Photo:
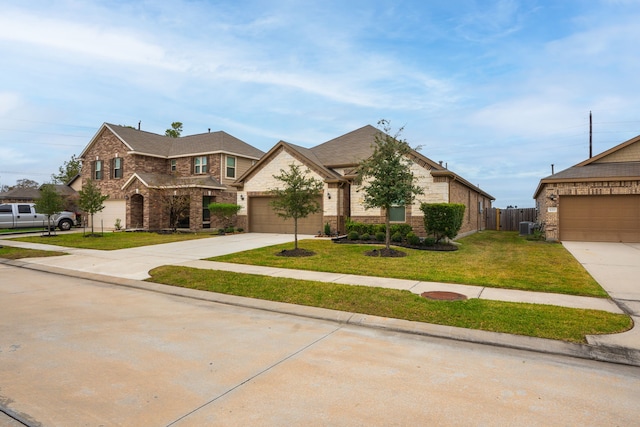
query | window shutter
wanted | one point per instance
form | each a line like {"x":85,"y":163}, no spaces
{"x":205,"y":169}
{"x":93,"y":170}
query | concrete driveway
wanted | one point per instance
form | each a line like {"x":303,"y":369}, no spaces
{"x":135,"y":263}
{"x":615,"y":266}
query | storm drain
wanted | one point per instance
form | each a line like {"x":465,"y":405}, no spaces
{"x":443,"y":296}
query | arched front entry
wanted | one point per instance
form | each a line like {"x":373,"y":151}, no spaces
{"x":136,"y":208}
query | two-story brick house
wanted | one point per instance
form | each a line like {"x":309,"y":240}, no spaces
{"x":140,"y":170}
{"x":334,"y":163}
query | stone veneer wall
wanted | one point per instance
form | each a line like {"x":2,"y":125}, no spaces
{"x":549,"y":210}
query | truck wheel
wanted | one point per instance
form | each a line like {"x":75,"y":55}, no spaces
{"x":65,"y":224}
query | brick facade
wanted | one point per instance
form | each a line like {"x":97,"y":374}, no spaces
{"x":144,"y":204}
{"x":549,"y":200}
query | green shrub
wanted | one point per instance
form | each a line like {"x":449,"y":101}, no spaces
{"x":353,"y":235}
{"x":429,"y":241}
{"x":229,"y":230}
{"x":240,"y":229}
{"x":327,"y":229}
{"x":380,"y":236}
{"x":413,"y":239}
{"x":396,"y":237}
{"x":365,"y":236}
{"x":403,"y":229}
{"x":442,"y":219}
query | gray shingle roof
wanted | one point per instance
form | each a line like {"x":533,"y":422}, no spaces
{"x":348,"y":149}
{"x":598,"y":170}
{"x":163,"y":146}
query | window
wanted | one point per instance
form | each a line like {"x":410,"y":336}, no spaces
{"x":200,"y":165}
{"x":173,"y":165}
{"x":6,"y":209}
{"x":116,"y":166}
{"x":231,"y":167}
{"x":397,"y":214}
{"x":97,"y":170}
{"x":24,"y":209}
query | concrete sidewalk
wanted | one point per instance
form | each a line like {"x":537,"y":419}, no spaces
{"x":135,"y":264}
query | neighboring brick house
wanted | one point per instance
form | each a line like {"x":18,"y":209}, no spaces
{"x":595,"y":200}
{"x":31,"y":195}
{"x":334,"y":162}
{"x":139,"y":170}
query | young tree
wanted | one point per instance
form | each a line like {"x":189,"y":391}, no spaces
{"x":91,"y":200}
{"x":175,"y":131}
{"x":49,"y":203}
{"x":224,"y":212}
{"x":298,"y":198}
{"x":176,"y":205}
{"x":67,"y":171}
{"x":386,"y":177}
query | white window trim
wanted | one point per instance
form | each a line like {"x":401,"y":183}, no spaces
{"x":404,"y":220}
{"x":226,"y":167}
{"x":198,"y":169}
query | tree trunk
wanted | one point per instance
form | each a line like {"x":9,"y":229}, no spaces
{"x":387,"y":221}
{"x":295,"y":232}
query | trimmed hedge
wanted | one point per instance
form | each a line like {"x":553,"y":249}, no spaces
{"x":373,"y":229}
{"x":442,"y":219}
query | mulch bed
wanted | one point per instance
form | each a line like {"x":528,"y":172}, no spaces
{"x":444,"y":247}
{"x":391,"y":253}
{"x":295,"y":253}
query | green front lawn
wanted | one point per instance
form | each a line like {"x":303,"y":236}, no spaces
{"x":111,"y":241}
{"x":544,"y":321}
{"x":490,"y":258}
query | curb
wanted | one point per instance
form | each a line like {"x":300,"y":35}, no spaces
{"x":599,"y":352}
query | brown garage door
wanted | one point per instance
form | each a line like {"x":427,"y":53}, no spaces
{"x":263,"y":219}
{"x":600,"y":218}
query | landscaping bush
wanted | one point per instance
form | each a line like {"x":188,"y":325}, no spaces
{"x":380,"y":236}
{"x":229,"y":230}
{"x":413,"y":239}
{"x":429,"y":241}
{"x":396,"y":237}
{"x":365,"y":237}
{"x":442,"y":219}
{"x":372,"y":229}
{"x":327,"y":229}
{"x":403,"y":229}
{"x":353,"y":235}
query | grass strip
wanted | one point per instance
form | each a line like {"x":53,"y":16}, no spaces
{"x":112,"y":241}
{"x":535,"y":320}
{"x":7,"y":252}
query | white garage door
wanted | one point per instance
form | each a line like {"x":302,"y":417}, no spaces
{"x":263,"y":219}
{"x":113,"y":209}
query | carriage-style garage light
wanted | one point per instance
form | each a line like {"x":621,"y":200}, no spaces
{"x":328,"y":195}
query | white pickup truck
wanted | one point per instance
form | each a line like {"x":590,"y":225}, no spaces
{"x":23,"y":215}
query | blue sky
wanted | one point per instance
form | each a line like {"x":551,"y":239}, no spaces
{"x":498,"y":90}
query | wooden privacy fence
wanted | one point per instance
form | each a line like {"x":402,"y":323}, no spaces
{"x":509,"y":219}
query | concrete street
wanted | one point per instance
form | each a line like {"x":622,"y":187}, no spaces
{"x":79,"y":352}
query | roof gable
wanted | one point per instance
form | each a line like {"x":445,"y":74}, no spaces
{"x":628,"y":151}
{"x":304,"y":155}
